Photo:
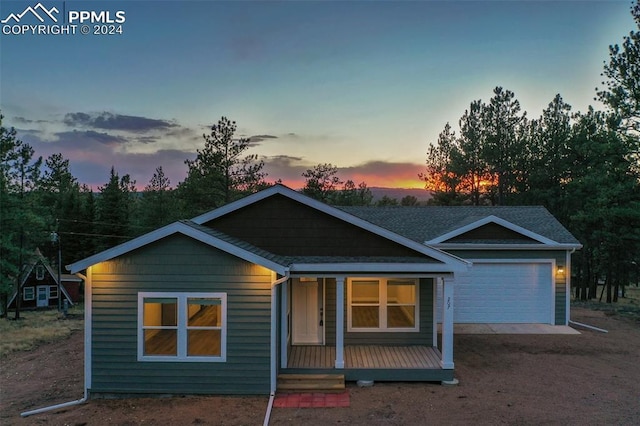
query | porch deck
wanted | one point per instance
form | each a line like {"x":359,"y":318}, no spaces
{"x":366,"y":357}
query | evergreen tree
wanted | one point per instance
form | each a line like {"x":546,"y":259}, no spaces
{"x":85,"y":228}
{"x":158,"y":207}
{"x":59,"y":193}
{"x":386,"y":201}
{"x":504,"y":145}
{"x":352,"y":195}
{"x":409,"y":200}
{"x":22,"y":227}
{"x":622,"y":73}
{"x":604,"y":201}
{"x":548,"y":139}
{"x":467,"y":160}
{"x":321,"y":182}
{"x":439,"y":176}
{"x":114,"y":208}
{"x":221,"y":172}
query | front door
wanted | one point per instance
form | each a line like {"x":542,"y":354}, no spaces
{"x":308,"y":321}
{"x":42,"y":296}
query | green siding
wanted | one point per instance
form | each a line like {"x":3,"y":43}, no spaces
{"x":422,"y":337}
{"x":558,"y":255}
{"x":180,"y":264}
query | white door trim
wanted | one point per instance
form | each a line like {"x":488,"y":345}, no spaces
{"x":313,"y":316}
{"x":45,"y":290}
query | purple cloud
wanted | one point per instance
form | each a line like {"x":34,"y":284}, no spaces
{"x":259,"y":138}
{"x":89,"y":136}
{"x":109,"y":121}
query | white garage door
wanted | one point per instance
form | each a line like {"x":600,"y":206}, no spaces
{"x":504,"y":293}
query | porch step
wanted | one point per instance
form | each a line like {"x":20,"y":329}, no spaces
{"x":310,"y":382}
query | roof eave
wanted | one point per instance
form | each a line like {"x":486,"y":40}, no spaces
{"x":484,"y":246}
{"x":390,"y":267}
{"x":171,"y":229}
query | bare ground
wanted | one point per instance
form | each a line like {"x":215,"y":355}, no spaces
{"x":591,"y":378}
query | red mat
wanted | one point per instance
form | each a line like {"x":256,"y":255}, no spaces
{"x":312,"y":400}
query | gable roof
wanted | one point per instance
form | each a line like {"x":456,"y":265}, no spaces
{"x":188,"y":228}
{"x":487,"y":220}
{"x":36,"y":258}
{"x":437,"y":224}
{"x":344,"y":216}
{"x":282,"y":264}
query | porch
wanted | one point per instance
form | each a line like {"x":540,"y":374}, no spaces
{"x":328,"y":327}
{"x":370,"y":362}
{"x":365,"y":356}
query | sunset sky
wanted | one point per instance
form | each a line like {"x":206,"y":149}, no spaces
{"x":363,"y":85}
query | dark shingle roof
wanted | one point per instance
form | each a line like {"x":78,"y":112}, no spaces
{"x":288,"y":260}
{"x":357,"y":259}
{"x":281,"y":260}
{"x":424,"y":223}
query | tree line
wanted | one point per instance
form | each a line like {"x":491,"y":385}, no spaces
{"x":584,"y":167}
{"x":42,"y":205}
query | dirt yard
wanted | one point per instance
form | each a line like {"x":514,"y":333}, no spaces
{"x":591,"y":378}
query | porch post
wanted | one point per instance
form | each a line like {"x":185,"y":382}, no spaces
{"x":339,"y":322}
{"x":447,"y":323}
{"x":567,"y":288}
{"x":284,"y":324}
{"x":434,"y":309}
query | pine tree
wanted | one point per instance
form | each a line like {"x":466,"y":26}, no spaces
{"x":221,"y":172}
{"x":22,"y":227}
{"x":114,"y":209}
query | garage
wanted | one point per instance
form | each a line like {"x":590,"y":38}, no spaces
{"x":504,"y":293}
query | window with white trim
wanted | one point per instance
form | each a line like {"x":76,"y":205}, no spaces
{"x":382,"y":304}
{"x":183,"y":327}
{"x":28,"y":293}
{"x":53,"y":292}
{"x":39,"y":272}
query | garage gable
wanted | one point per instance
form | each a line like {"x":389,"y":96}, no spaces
{"x":491,"y":229}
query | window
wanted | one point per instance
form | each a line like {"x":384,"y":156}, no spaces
{"x":380,"y":304}
{"x":53,"y":292}
{"x":39,"y":272}
{"x":182,"y":327}
{"x":365,"y":304}
{"x":28,"y":293}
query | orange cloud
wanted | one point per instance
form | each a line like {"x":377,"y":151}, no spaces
{"x":374,"y":173}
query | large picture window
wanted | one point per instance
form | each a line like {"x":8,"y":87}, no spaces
{"x":381,"y":304}
{"x":182,"y":327}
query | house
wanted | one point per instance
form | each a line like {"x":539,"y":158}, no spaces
{"x":280,"y":283}
{"x":39,"y":285}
